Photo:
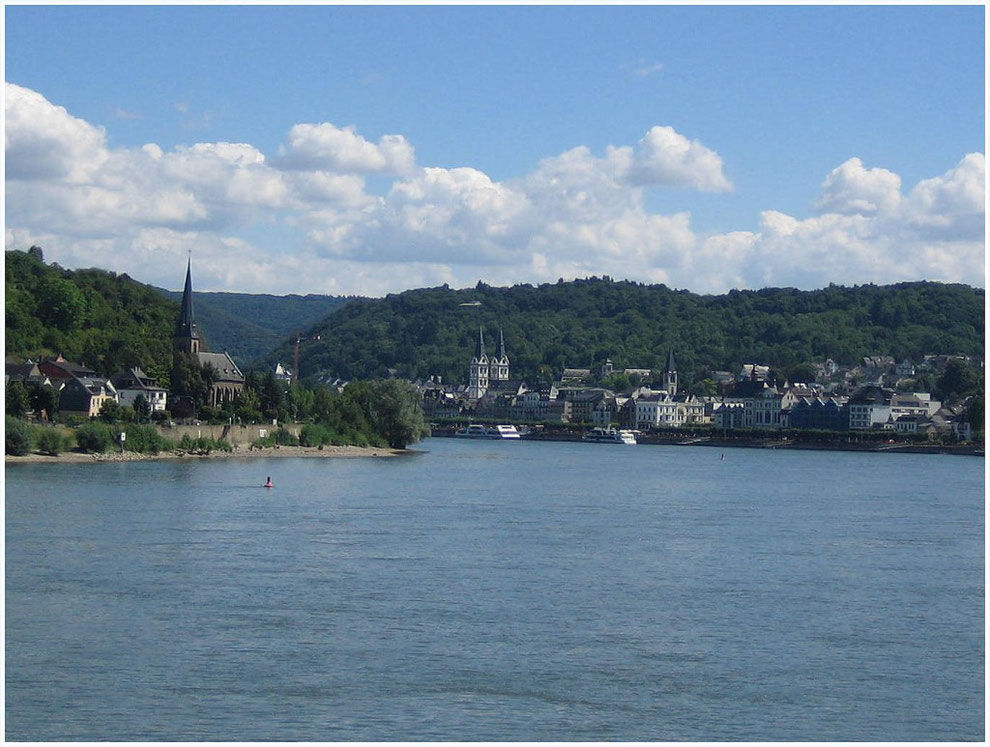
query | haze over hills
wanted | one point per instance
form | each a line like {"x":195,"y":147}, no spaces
{"x":249,"y":326}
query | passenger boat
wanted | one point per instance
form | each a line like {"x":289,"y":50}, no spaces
{"x":609,"y":436}
{"x":504,"y":431}
{"x":490,"y":432}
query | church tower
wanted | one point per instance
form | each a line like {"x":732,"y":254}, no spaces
{"x":186,"y":338}
{"x":498,"y":369}
{"x":478,"y":380}
{"x":670,"y":374}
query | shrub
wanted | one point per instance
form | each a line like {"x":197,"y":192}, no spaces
{"x":314,"y":434}
{"x":18,"y":436}
{"x":52,"y":441}
{"x":94,"y":437}
{"x":286,"y":438}
{"x":203,"y":445}
{"x":145,"y":439}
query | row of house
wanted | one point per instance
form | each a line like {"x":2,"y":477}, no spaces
{"x":82,"y":391}
{"x":749,"y":399}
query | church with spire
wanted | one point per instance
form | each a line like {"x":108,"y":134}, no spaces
{"x":484,"y":371}
{"x":187,"y":341}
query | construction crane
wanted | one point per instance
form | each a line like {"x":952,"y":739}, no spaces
{"x":295,"y":354}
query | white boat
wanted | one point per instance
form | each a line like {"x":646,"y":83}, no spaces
{"x":490,"y":432}
{"x":504,"y":431}
{"x":609,"y":436}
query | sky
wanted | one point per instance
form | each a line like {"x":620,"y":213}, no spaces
{"x":365,"y":150}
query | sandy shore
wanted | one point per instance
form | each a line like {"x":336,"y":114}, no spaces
{"x":79,"y":457}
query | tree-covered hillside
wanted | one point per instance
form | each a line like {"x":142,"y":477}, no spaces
{"x":105,"y":320}
{"x":248,"y":326}
{"x":580,"y":323}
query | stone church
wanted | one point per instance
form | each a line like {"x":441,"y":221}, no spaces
{"x":484,"y":371}
{"x":187,"y":341}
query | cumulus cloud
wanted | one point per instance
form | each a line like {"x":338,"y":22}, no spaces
{"x":867,"y":231}
{"x":317,"y":147}
{"x":305,"y":220}
{"x":43,"y":141}
{"x":853,"y":189}
{"x":666,"y":157}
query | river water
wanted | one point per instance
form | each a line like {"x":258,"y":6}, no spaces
{"x":499,"y":591}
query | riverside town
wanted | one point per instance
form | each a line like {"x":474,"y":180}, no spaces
{"x":197,"y":400}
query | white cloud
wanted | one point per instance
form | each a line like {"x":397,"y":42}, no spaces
{"x":646,"y":69}
{"x":43,"y":141}
{"x":665,"y":157}
{"x":851,"y":188}
{"x":305,"y":220}
{"x":951,"y":205}
{"x":317,"y":147}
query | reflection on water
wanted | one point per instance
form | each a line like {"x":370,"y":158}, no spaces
{"x":498,"y":591}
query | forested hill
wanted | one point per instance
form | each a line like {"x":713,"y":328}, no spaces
{"x":248,"y":326}
{"x":580,"y":323}
{"x":108,"y":321}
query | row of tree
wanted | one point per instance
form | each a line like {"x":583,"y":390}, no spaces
{"x":109,"y":321}
{"x":430,"y":331}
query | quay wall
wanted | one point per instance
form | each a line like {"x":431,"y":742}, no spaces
{"x":235,"y":435}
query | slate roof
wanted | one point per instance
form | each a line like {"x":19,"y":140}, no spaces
{"x":186,"y":326}
{"x":224,"y":365}
{"x":479,"y":350}
{"x":135,"y":378}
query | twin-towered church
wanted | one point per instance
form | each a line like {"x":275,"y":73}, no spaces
{"x":485,"y":369}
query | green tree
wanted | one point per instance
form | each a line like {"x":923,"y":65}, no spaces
{"x":17,"y":402}
{"x":61,"y":303}
{"x":17,"y":436}
{"x":44,"y":399}
{"x":142,"y":408}
{"x":976,"y":414}
{"x":958,"y":380}
{"x":804,"y":373}
{"x":705,"y":388}
{"x":397,"y":413}
{"x":110,"y":412}
{"x":51,"y":441}
{"x":94,"y":437}
{"x":189,"y":379}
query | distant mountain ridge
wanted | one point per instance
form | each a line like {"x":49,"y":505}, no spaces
{"x":430,"y":331}
{"x":249,"y":326}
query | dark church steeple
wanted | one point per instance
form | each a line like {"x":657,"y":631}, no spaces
{"x":186,"y":338}
{"x":670,"y":375}
{"x":498,"y":367}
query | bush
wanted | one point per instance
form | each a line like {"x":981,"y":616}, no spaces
{"x":203,"y":445}
{"x":286,"y":438}
{"x":94,"y":437}
{"x":314,"y":434}
{"x":51,"y":441}
{"x":145,"y":439}
{"x":18,"y":436}
{"x":281,"y":437}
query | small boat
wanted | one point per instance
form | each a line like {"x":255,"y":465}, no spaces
{"x":269,"y":483}
{"x":489,"y":432}
{"x":609,"y":436}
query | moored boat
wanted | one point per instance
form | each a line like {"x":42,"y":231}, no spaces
{"x":488,"y":431}
{"x":609,"y":436}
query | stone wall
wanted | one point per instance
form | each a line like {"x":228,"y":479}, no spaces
{"x":235,"y":435}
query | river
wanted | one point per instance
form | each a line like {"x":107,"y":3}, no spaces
{"x":499,"y":591}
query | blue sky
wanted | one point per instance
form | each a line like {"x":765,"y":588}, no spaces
{"x":707,"y":147}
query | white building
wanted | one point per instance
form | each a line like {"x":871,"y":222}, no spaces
{"x":134,"y":383}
